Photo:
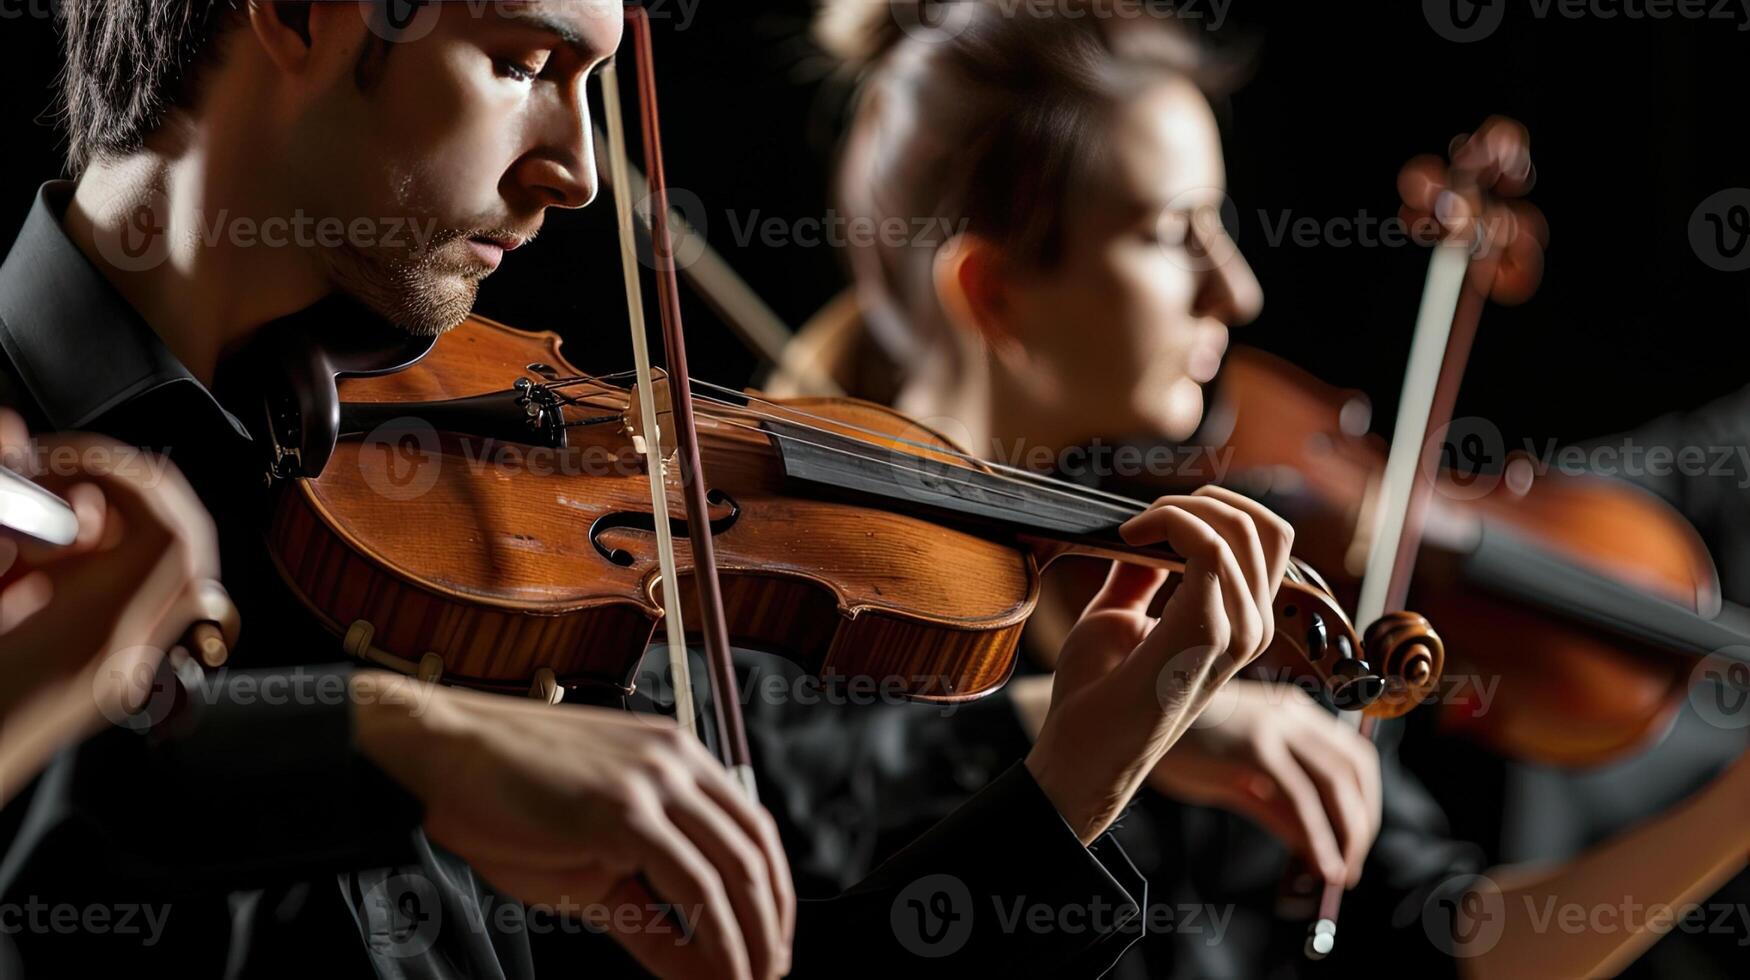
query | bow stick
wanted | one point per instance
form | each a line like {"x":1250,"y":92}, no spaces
{"x":730,"y":733}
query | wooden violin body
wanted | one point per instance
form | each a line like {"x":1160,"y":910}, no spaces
{"x":847,"y":539}
{"x":1586,"y":599}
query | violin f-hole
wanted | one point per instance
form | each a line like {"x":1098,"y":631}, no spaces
{"x":637,"y":520}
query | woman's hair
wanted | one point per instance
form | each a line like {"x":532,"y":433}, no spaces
{"x":983,"y":117}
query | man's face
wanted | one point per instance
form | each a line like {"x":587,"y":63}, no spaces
{"x":449,"y":147}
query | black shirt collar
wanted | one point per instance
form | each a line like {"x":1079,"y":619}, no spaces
{"x":78,"y":346}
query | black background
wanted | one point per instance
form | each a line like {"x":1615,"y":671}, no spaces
{"x":1635,"y":122}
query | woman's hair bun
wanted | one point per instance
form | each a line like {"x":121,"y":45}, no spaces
{"x":862,"y":32}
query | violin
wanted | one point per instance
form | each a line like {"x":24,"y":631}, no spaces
{"x":1589,"y":598}
{"x":483,"y":517}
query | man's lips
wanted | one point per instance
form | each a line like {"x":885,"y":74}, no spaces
{"x":490,"y":249}
{"x":507,"y":243}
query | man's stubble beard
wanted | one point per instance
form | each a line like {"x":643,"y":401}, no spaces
{"x":418,"y":293}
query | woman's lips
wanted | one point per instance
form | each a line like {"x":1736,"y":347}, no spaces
{"x":1204,"y":365}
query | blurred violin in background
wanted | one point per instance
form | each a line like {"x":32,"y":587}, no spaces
{"x":1590,"y":599}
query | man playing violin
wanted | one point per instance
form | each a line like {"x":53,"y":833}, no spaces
{"x":1004,"y":335}
{"x":242,"y":163}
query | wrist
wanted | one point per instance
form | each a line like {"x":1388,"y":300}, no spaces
{"x":398,"y":722}
{"x":1057,"y":782}
{"x":1031,"y":698}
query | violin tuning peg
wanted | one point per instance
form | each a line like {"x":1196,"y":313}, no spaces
{"x":1354,"y":685}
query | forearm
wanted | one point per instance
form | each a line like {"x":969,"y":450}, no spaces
{"x":36,"y":721}
{"x":1641,"y":880}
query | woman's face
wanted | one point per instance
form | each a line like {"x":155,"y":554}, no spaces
{"x":1123,"y":332}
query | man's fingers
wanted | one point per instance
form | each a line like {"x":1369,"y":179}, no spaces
{"x":1500,"y":153}
{"x":1303,"y":798}
{"x":14,"y":442}
{"x":1237,"y":528}
{"x":1340,"y":788}
{"x":145,"y":568}
{"x":659,"y":943}
{"x":1203,"y":609}
{"x":680,"y":874}
{"x":763,"y":830}
{"x":144,"y":497}
{"x":1128,"y":588}
{"x":742,"y":867}
{"x":97,"y":528}
{"x":1358,"y":759}
{"x":1275,"y":535}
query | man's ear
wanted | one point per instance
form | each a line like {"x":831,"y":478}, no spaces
{"x":971,"y":287}
{"x":283,"y":31}
{"x":293,"y":32}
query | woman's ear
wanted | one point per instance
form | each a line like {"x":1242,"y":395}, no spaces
{"x":973,"y":292}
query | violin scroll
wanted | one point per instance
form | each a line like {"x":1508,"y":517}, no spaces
{"x":1383,"y":674}
{"x":1411,"y":657}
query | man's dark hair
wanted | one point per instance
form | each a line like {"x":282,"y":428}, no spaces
{"x":129,"y":63}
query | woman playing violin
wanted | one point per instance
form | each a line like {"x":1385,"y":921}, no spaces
{"x":1087,"y":295}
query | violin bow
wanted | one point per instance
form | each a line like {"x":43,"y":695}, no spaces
{"x":1463,"y":273}
{"x":730,"y":733}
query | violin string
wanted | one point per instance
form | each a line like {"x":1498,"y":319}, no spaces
{"x":1064,"y":489}
{"x":1115,"y":504}
{"x":1014,"y":472}
{"x":1078,"y":491}
{"x":1292,"y":572}
{"x":892,"y":462}
{"x":1129,"y":508}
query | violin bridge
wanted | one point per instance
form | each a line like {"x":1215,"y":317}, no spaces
{"x":639,"y":428}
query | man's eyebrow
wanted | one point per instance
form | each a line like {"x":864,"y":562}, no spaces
{"x":535,"y":20}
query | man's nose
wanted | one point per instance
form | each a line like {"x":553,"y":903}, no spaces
{"x":558,"y":183}
{"x":560,"y":171}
